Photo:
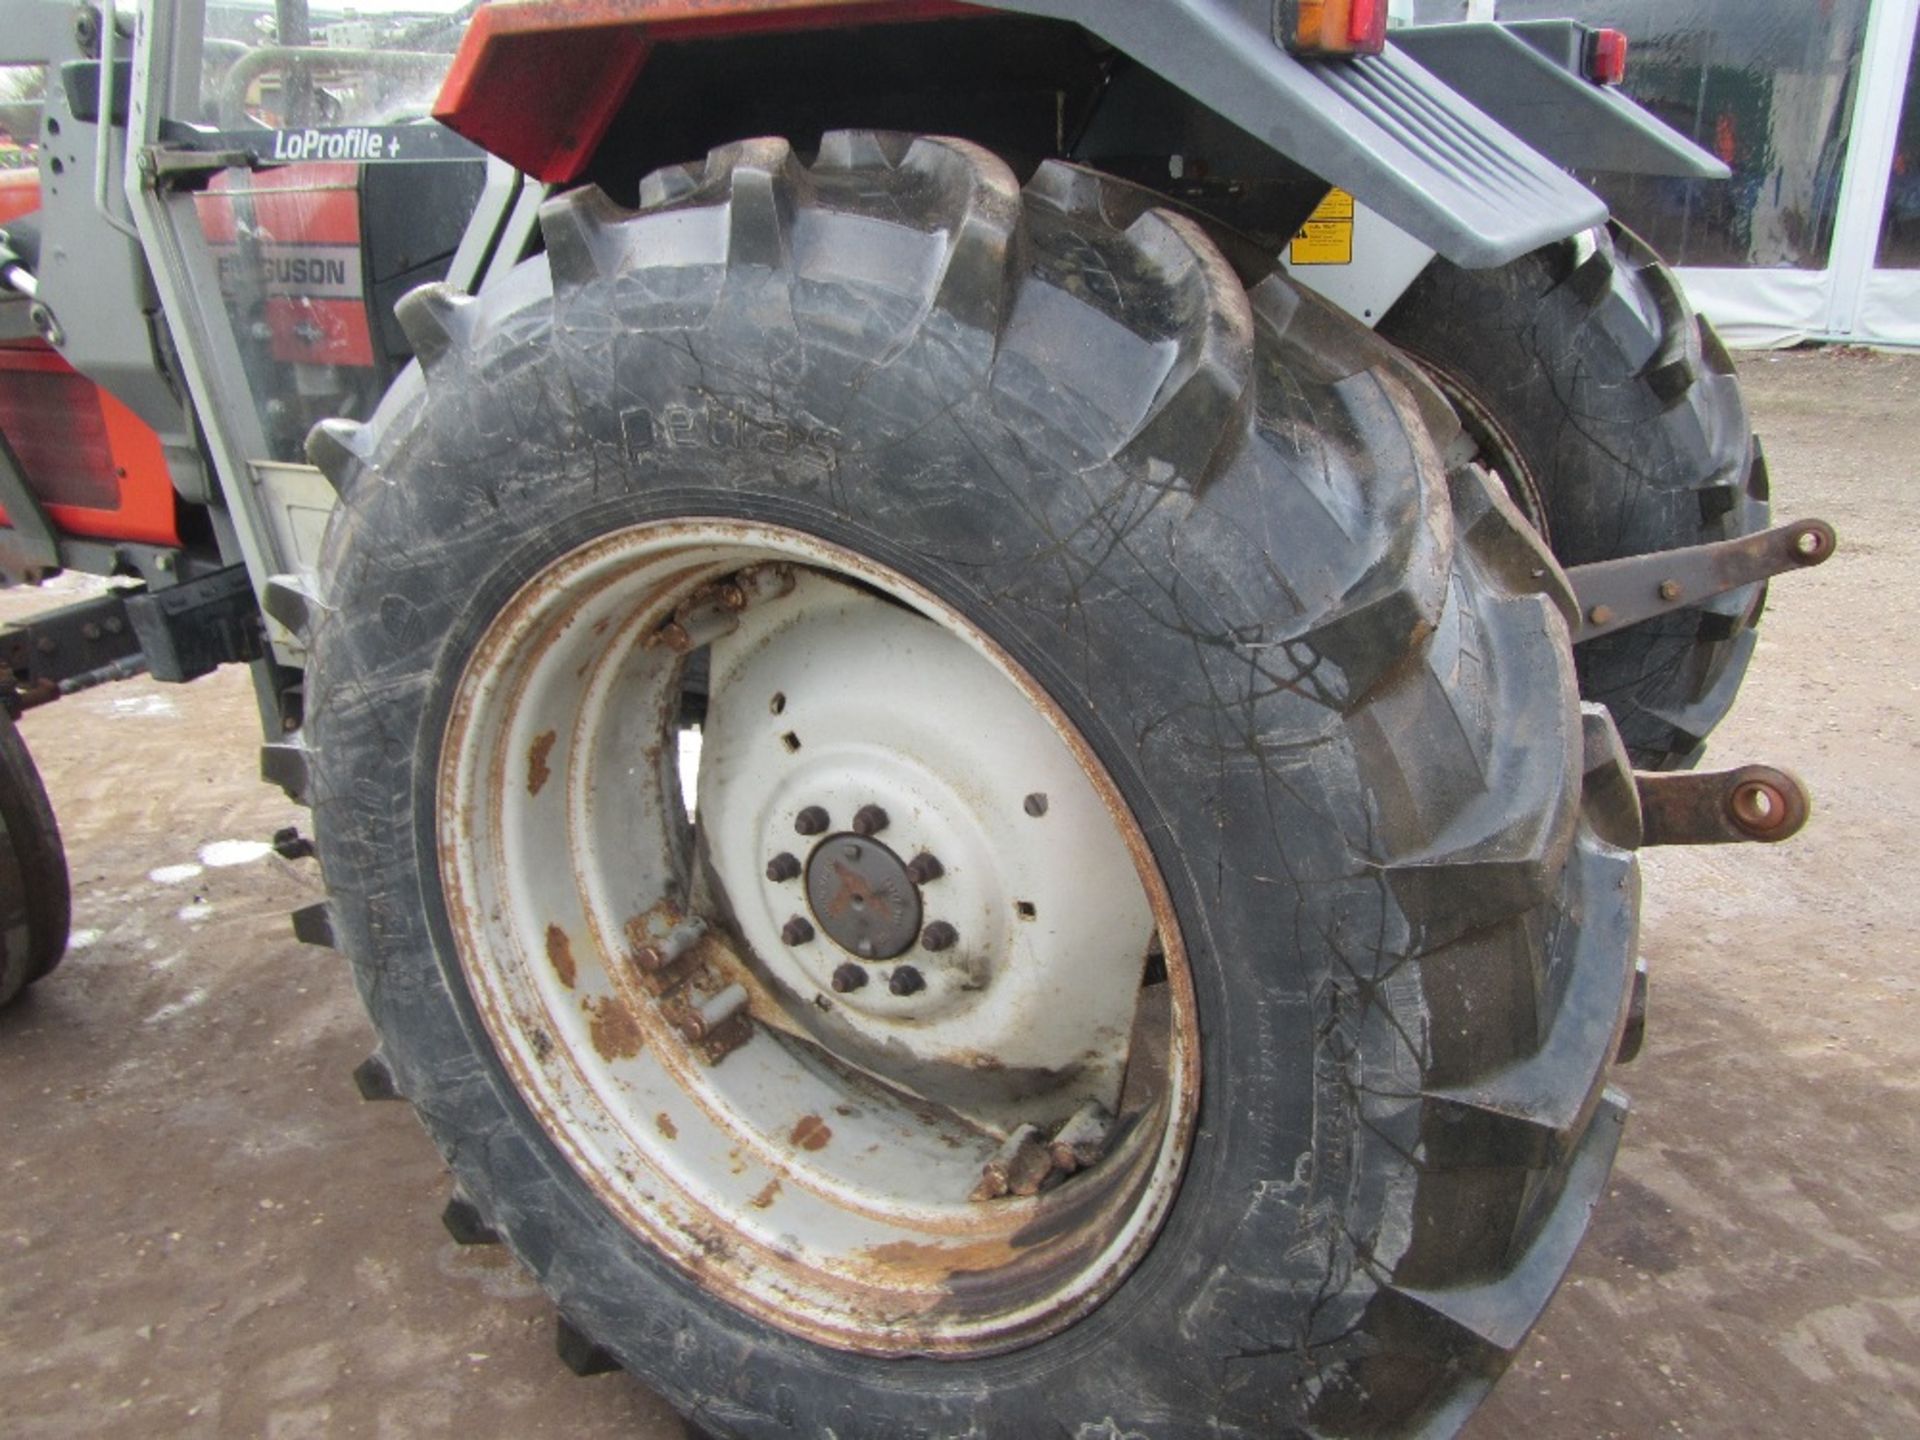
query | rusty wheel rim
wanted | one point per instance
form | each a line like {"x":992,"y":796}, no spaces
{"x":896,"y":1161}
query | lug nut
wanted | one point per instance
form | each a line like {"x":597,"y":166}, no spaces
{"x":783,"y":867}
{"x":812,"y":821}
{"x":848,"y":978}
{"x":906,"y":981}
{"x":939,"y":936}
{"x":797,"y":931}
{"x":924,"y":868}
{"x":869,"y":820}
{"x":1035,"y":805}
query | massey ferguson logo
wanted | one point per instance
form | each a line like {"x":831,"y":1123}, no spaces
{"x":347,"y":142}
{"x":314,"y":272}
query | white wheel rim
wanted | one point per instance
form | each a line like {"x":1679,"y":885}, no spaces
{"x":819,"y":1175}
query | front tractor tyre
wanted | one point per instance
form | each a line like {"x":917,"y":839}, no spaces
{"x":35,"y":900}
{"x":1134,"y":941}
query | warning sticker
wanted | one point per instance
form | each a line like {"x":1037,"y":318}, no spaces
{"x":1327,"y":237}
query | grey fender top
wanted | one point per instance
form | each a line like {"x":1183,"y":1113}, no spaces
{"x":1381,"y":126}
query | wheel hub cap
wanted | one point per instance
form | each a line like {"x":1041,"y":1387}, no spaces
{"x":863,"y":897}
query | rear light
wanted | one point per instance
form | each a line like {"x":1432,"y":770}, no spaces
{"x":1333,"y":27}
{"x":1607,"y":57}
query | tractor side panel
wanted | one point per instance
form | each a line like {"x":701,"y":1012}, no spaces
{"x":95,"y":466}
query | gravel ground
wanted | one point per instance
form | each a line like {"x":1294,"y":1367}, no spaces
{"x":206,"y":1233}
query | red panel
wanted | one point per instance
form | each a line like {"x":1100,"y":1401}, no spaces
{"x":537,"y":82}
{"x":19,"y":194}
{"x":309,"y":331}
{"x":316,"y":204}
{"x":98,"y":469}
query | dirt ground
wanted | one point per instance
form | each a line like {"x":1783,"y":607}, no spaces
{"x":205,"y":1232}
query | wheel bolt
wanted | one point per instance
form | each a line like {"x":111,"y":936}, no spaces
{"x":906,"y":981}
{"x":1035,"y":805}
{"x":924,"y":868}
{"x":939,"y":936}
{"x":812,"y":821}
{"x":869,"y":820}
{"x":848,"y":978}
{"x":797,"y":931}
{"x":783,"y":867}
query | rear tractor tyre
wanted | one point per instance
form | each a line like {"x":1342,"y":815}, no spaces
{"x":35,"y":901}
{"x":1137,"y":945}
{"x":1612,"y":413}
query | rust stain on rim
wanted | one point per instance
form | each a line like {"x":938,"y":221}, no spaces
{"x":616,"y":1031}
{"x":538,"y":772}
{"x":560,"y":955}
{"x":811,"y":1133}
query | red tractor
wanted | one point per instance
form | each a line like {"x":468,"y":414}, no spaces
{"x":978,"y":682}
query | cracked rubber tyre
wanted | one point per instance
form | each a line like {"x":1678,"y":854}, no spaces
{"x":1037,"y":447}
{"x":1612,"y":412}
{"x":35,"y":903}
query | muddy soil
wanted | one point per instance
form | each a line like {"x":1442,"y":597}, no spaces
{"x":206,"y":1233}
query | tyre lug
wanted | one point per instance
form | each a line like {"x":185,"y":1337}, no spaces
{"x":579,"y":1354}
{"x":1035,"y":804}
{"x":465,"y":1223}
{"x":939,"y":936}
{"x":869,"y":820}
{"x":924,"y":868}
{"x":797,"y":931}
{"x":906,"y":981}
{"x":783,"y":867}
{"x":849,"y":978}
{"x":813,"y":820}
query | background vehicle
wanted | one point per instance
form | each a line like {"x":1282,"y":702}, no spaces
{"x":951,"y":798}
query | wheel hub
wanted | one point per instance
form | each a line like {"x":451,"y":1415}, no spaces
{"x":861,"y":894}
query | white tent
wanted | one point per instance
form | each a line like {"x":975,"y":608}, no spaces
{"x":1817,"y":108}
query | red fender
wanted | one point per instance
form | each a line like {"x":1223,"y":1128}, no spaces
{"x":537,"y":82}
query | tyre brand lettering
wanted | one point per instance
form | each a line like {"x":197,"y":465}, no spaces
{"x":727,"y":425}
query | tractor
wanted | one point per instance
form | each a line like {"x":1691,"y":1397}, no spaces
{"x":978,"y":682}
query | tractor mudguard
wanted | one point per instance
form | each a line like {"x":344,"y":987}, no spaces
{"x":1527,"y":77}
{"x":1379,"y":127}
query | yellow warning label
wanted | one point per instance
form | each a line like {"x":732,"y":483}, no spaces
{"x":1327,"y":237}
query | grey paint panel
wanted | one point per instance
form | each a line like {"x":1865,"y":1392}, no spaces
{"x":1564,"y":116}
{"x":1380,"y":127}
